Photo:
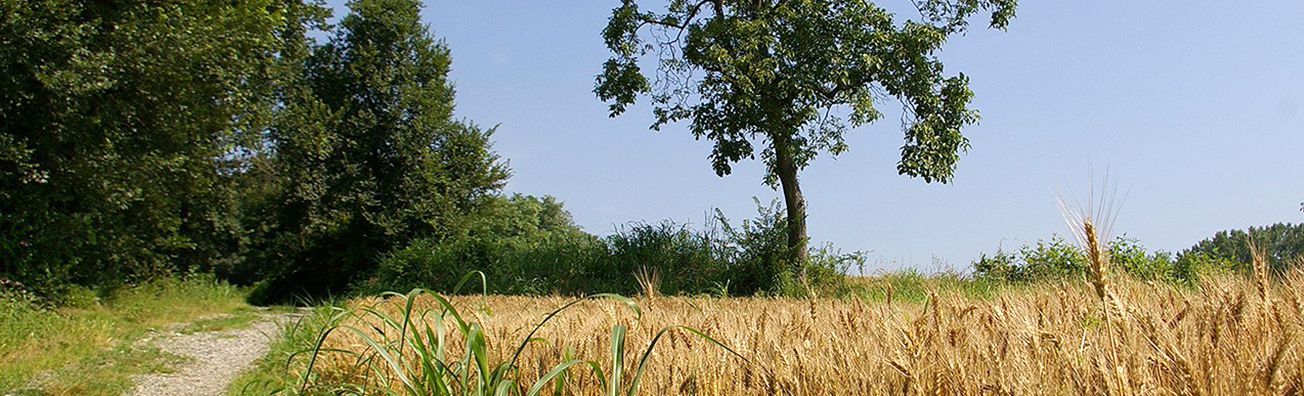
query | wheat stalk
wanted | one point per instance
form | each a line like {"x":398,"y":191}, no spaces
{"x":1091,"y":227}
{"x":649,"y":280}
{"x":1260,"y":262}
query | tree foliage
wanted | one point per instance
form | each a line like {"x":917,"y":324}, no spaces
{"x":793,"y":76}
{"x":1282,"y":244}
{"x":146,"y":138}
{"x":113,"y":119}
{"x":368,"y":153}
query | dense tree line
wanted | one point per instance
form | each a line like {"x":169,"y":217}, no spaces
{"x":140,"y":139}
{"x":114,"y":120}
{"x":146,"y":139}
{"x":1282,"y":245}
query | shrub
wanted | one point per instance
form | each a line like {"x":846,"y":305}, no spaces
{"x":757,"y":249}
{"x":823,"y":274}
{"x":1059,"y":259}
{"x":527,"y":245}
{"x":688,"y":261}
{"x":1133,"y":259}
{"x":1043,"y":260}
{"x":522,"y":243}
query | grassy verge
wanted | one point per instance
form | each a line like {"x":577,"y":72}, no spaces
{"x":270,"y":375}
{"x":89,"y":345}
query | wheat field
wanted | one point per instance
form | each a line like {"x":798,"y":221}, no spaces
{"x":1224,"y":337}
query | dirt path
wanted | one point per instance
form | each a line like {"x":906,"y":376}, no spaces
{"x":218,"y":357}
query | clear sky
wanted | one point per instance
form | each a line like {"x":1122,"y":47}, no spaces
{"x":1196,"y":108}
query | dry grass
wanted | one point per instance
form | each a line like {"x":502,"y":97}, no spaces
{"x":1052,"y":339}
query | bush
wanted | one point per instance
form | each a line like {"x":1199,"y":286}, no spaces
{"x":1044,"y":260}
{"x":528,"y":245}
{"x":1126,"y":254}
{"x":758,"y":250}
{"x":823,"y":274}
{"x":521,"y":243}
{"x":1058,"y":259}
{"x":687,"y":261}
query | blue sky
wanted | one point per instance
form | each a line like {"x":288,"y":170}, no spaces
{"x":1196,"y":108}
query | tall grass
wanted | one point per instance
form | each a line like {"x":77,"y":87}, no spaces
{"x":83,"y":345}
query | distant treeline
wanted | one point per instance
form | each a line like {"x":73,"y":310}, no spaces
{"x":1282,"y":245}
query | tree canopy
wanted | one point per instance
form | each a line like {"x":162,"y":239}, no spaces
{"x":140,"y":139}
{"x":113,"y":118}
{"x":368,"y":152}
{"x":793,"y":76}
{"x":1282,"y":245}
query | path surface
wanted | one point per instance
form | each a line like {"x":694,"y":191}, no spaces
{"x":218,"y":357}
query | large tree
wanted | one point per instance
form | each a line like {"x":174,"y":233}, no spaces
{"x":114,"y":116}
{"x":368,"y":151}
{"x":793,"y":76}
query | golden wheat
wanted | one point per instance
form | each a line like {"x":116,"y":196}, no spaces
{"x":1042,"y":340}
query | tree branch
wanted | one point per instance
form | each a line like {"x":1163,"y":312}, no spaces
{"x":682,"y":25}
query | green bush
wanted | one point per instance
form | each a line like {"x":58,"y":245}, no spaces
{"x":1129,"y":256}
{"x":758,"y":250}
{"x":1043,"y":260}
{"x":523,"y":244}
{"x":528,"y":245}
{"x":688,"y":261}
{"x":1058,"y":259}
{"x":561,"y":264}
{"x":823,"y":274}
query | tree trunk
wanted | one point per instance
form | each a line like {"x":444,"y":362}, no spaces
{"x":786,"y":169}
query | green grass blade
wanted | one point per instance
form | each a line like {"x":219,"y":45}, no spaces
{"x":504,"y":388}
{"x":388,"y":358}
{"x":478,"y":349}
{"x":617,"y":358}
{"x":559,"y":370}
{"x":316,"y":350}
{"x":484,"y":283}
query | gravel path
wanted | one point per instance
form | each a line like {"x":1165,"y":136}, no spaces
{"x":217,"y":358}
